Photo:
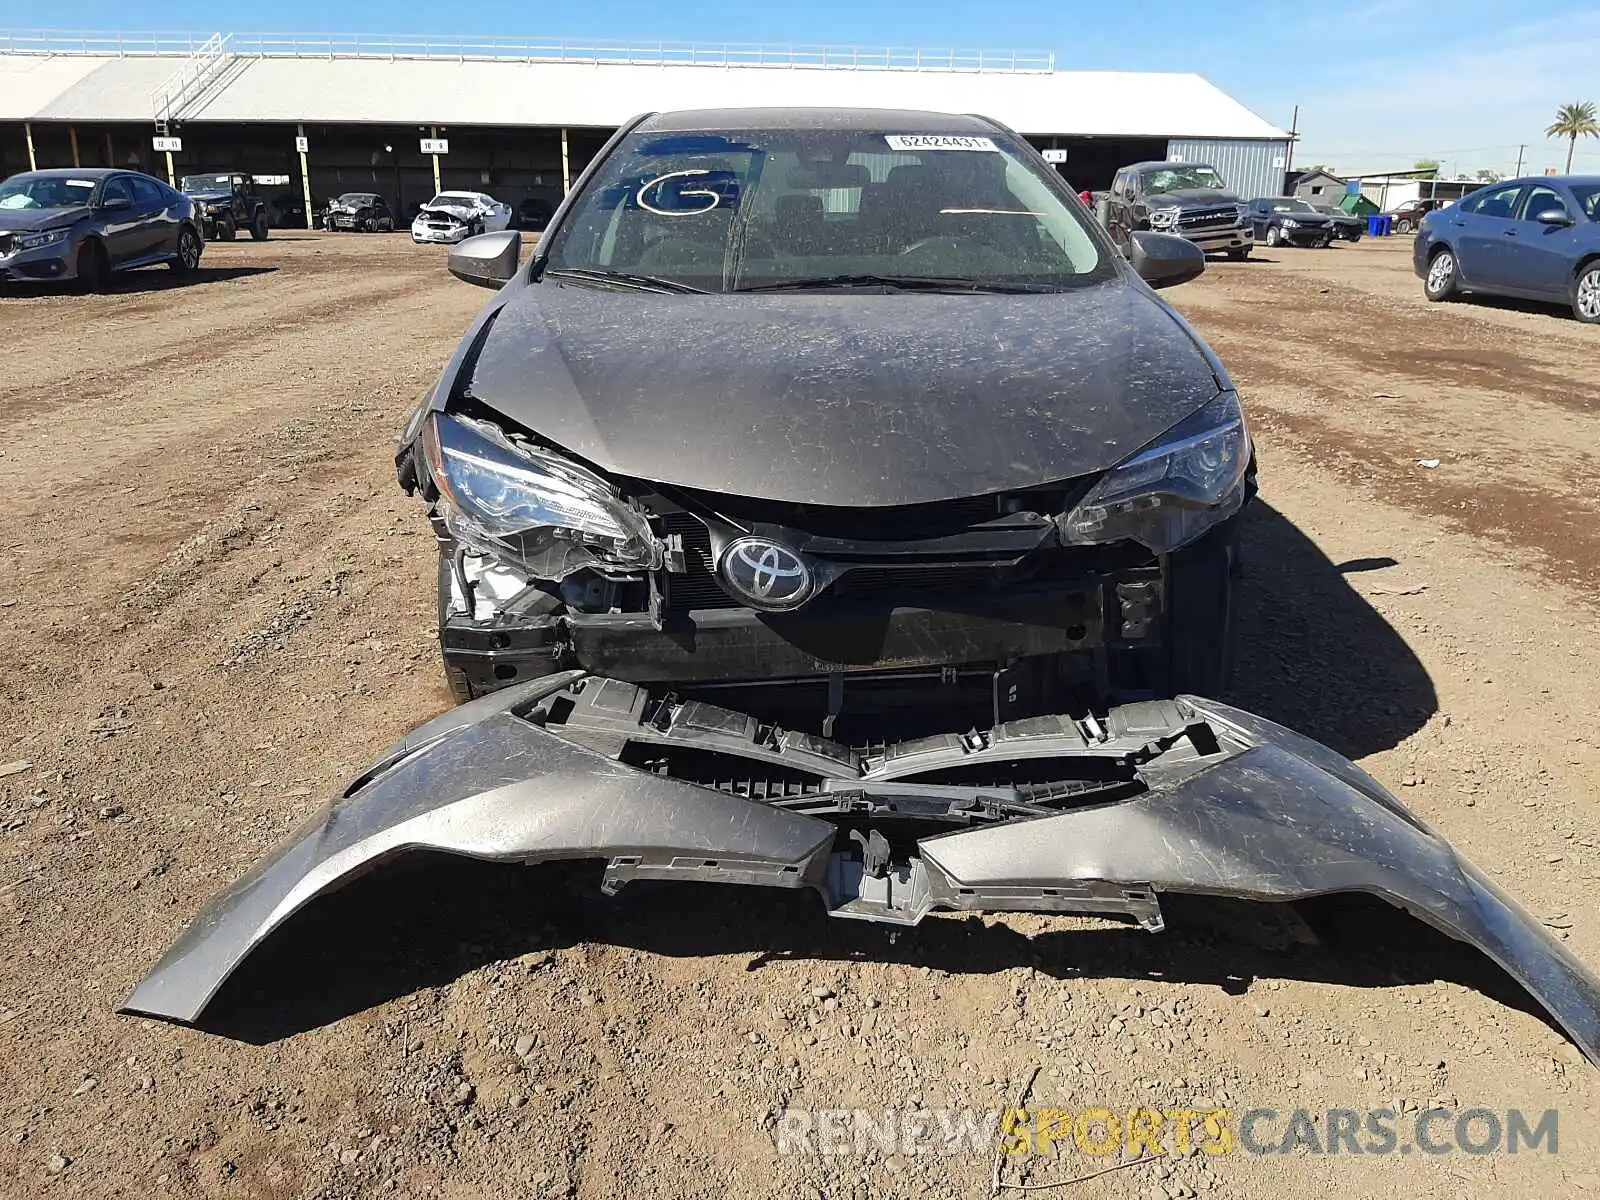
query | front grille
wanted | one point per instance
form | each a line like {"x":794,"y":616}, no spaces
{"x":697,"y":587}
{"x":1191,"y":218}
{"x":904,"y":522}
{"x":912,"y":581}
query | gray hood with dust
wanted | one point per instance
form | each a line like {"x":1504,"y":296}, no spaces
{"x":844,"y":399}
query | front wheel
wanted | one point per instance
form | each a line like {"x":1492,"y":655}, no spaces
{"x":188,"y":256}
{"x":369,"y":225}
{"x":226,"y":230}
{"x":1404,"y":225}
{"x":1273,"y":236}
{"x":94,"y":268}
{"x":1444,"y":277}
{"x":1239,"y":253}
{"x":258,"y":227}
{"x":1586,"y":294}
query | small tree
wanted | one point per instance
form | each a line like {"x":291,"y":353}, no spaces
{"x":1572,"y":122}
{"x":1425,"y":164}
{"x":1485,"y":175}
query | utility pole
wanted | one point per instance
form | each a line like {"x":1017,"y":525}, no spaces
{"x":1521,"y":150}
{"x":1294,"y":132}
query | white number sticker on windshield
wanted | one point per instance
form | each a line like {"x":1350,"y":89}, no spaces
{"x":938,"y":141}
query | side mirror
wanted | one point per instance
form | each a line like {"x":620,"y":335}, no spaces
{"x":1164,"y":259}
{"x":113,"y":203}
{"x":488,"y":260}
{"x":1554,"y":216}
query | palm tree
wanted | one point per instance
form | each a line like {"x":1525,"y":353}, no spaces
{"x":1573,"y":121}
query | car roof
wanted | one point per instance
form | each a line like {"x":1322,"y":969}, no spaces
{"x":80,"y":172}
{"x":871,"y":120}
{"x":1568,"y":180}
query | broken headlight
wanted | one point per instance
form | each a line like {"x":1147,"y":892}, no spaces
{"x":1173,"y":491}
{"x":521,"y":504}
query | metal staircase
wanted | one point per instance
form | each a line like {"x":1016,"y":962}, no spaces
{"x":194,"y":78}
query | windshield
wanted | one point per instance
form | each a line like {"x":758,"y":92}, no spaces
{"x":453,"y":200}
{"x":1299,"y":206}
{"x":206,"y":183}
{"x":45,"y":191}
{"x":771,"y":207}
{"x":1172,"y":179}
{"x":355,"y":198}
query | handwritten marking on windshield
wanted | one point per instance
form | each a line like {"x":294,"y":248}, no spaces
{"x":683,"y":193}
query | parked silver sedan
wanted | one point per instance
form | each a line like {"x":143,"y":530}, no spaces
{"x":86,"y":223}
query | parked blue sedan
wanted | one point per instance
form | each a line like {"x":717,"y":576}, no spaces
{"x":1537,"y":239}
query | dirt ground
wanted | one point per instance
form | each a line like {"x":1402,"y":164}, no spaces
{"x":215,"y":606}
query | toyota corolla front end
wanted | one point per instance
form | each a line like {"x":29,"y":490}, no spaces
{"x":828,"y":506}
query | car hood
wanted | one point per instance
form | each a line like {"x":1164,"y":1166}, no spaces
{"x":40,"y":218}
{"x":210,"y":197}
{"x":461,"y":211}
{"x":844,"y":399}
{"x":1194,"y":197}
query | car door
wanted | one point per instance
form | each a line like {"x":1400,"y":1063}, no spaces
{"x":1480,"y":228}
{"x":119,"y":221}
{"x":158,"y":229}
{"x":1540,"y":256}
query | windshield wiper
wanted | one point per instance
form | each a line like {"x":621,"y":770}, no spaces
{"x":901,"y":283}
{"x":623,"y":279}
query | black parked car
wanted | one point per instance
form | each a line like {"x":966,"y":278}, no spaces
{"x":228,"y":202}
{"x":367,"y":212}
{"x":1347,"y":227}
{"x":1283,"y":221}
{"x":958,"y":457}
{"x":534,"y":213}
{"x":287,"y":210}
{"x":86,"y":222}
{"x":1188,"y":199}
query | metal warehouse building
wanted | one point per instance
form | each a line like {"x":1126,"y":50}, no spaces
{"x":519,"y":117}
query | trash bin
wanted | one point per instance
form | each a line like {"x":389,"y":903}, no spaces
{"x":1375,"y":225}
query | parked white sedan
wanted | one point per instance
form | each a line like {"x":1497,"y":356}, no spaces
{"x":452,"y":216}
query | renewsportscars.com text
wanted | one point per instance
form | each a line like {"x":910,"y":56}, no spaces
{"x":1099,"y":1131}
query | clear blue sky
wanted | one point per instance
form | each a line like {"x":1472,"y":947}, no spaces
{"x":1380,"y":83}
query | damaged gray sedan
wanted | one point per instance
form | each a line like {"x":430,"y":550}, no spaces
{"x":829,"y":506}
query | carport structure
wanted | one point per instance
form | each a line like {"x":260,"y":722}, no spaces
{"x":520,"y":117}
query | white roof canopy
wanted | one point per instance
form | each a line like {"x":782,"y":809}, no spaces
{"x":247,"y":78}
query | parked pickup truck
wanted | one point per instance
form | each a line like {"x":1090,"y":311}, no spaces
{"x":1189,"y":199}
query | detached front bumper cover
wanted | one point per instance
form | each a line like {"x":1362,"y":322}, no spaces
{"x":1184,"y":796}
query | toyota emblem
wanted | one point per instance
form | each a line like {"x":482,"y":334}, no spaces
{"x":766,"y":575}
